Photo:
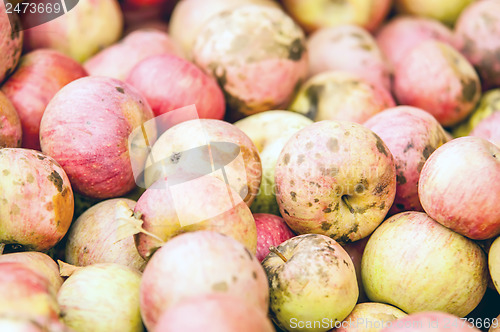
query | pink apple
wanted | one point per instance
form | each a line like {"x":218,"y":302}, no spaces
{"x":11,"y":42}
{"x":411,"y":135}
{"x":457,"y":187}
{"x":271,"y":231}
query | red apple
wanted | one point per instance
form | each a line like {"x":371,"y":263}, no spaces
{"x":457,"y":187}
{"x":411,"y":135}
{"x":40,"y":75}
{"x":10,"y":129}
{"x":434,"y":321}
{"x":271,"y":231}
{"x":169,"y":82}
{"x":214,"y":313}
{"x":86,"y":127}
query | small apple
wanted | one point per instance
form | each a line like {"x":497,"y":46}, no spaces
{"x":335,"y":178}
{"x":457,"y":187}
{"x":311,"y":279}
{"x":494,"y":263}
{"x":370,"y":317}
{"x":447,"y":11}
{"x":271,"y":231}
{"x":416,"y":264}
{"x":434,"y":321}
{"x":489,"y":129}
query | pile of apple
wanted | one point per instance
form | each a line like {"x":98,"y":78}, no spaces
{"x":251,"y":166}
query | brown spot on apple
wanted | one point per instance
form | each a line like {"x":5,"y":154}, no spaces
{"x":326,"y":225}
{"x":56,"y":179}
{"x":332,"y":144}
{"x":293,"y":194}
{"x":380,"y":145}
{"x":286,"y":158}
{"x":220,"y":286}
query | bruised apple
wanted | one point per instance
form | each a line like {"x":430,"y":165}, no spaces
{"x":37,"y":199}
{"x":10,"y":129}
{"x":335,"y":178}
{"x":11,"y":42}
{"x":199,"y":263}
{"x":85,"y":128}
{"x":411,"y":135}
{"x":40,"y":75}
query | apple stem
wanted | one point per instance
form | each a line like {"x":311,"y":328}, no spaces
{"x":275,"y":250}
{"x":346,"y":202}
{"x":2,"y":247}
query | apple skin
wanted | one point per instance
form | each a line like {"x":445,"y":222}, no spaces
{"x":200,"y":133}
{"x":80,"y":33}
{"x":402,"y":33}
{"x":270,"y":131}
{"x":214,"y":313}
{"x":11,"y":43}
{"x":370,"y":317}
{"x":160,"y":208}
{"x":478,"y":39}
{"x":41,"y":263}
{"x":446,"y":11}
{"x":93,"y":237}
{"x":27,"y":295}
{"x":494,"y":263}
{"x":355,"y":52}
{"x":11,"y":132}
{"x":335,"y":178}
{"x":437,"y":78}
{"x":258,"y":56}
{"x":37,"y":198}
{"x":336,"y":95}
{"x":430,"y":321}
{"x":316,"y":281}
{"x":169,"y":82}
{"x":453,"y":202}
{"x":198,"y":263}
{"x":101,"y":297}
{"x":117,"y":60}
{"x":489,"y":129}
{"x":412,"y":135}
{"x":355,"y":251}
{"x":315,"y":14}
{"x":40,"y":75}
{"x":271,"y":231}
{"x":416,"y":264}
{"x":86,"y":126}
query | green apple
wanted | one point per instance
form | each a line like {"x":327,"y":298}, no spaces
{"x":494,"y":263}
{"x":446,"y":11}
{"x":416,"y":264}
{"x":370,"y":317}
{"x":312,"y":283}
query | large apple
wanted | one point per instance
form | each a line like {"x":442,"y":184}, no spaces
{"x":311,"y":279}
{"x":416,"y":264}
{"x":411,"y":134}
{"x":434,"y":321}
{"x":457,"y":187}
{"x":271,"y":231}
{"x":198,"y":263}
{"x":494,"y":263}
{"x":335,"y":178}
{"x":370,"y":317}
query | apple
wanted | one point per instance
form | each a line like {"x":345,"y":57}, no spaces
{"x":416,"y":264}
{"x":400,"y":34}
{"x":40,"y":263}
{"x":311,"y":279}
{"x":488,"y":104}
{"x":337,"y":95}
{"x":355,"y":52}
{"x":494,"y":263}
{"x":430,"y":321}
{"x":216,"y":312}
{"x":258,"y":56}
{"x":11,"y":132}
{"x":316,"y":14}
{"x":370,"y":317}
{"x":489,"y":129}
{"x":37,"y":200}
{"x":335,"y":178}
{"x":446,"y":11}
{"x":13,"y":324}
{"x":118,"y":59}
{"x":466,"y":204}
{"x":40,"y":75}
{"x":437,"y":78}
{"x":101,"y":297}
{"x":198,"y":263}
{"x":355,"y":251}
{"x":271,"y":231}
{"x":94,"y":237}
{"x":81,"y":32}
{"x":477,"y":36}
{"x":11,"y":42}
{"x":270,"y":131}
{"x":412,"y":135}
